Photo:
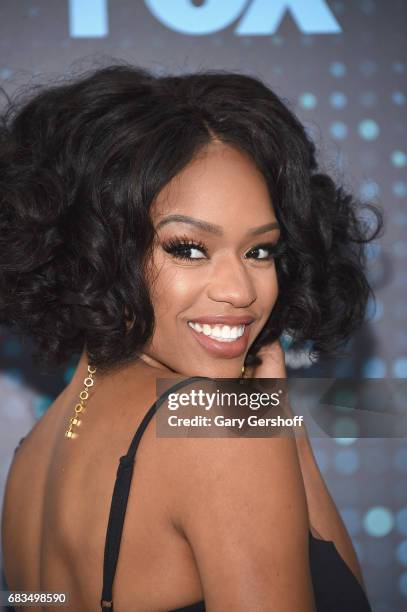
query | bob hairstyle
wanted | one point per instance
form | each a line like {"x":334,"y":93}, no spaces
{"x":81,"y":164}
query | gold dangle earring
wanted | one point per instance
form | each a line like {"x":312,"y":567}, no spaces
{"x":75,"y":421}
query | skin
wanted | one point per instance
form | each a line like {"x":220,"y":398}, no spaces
{"x":183,"y":538}
{"x":223,"y":188}
{"x":228,"y":281}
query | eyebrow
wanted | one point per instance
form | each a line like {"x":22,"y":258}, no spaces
{"x":214,"y":229}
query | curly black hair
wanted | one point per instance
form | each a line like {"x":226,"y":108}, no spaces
{"x":81,"y":163}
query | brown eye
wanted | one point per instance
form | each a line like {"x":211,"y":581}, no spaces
{"x":266,"y":251}
{"x":185,"y":249}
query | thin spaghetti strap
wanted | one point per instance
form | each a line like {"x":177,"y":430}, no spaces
{"x":120,"y":497}
{"x":135,"y":442}
{"x":19,"y":444}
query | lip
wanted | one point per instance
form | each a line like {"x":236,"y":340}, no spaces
{"x":224,"y":320}
{"x":227,"y":350}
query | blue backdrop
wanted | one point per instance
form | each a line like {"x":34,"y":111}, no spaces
{"x":341,"y":67}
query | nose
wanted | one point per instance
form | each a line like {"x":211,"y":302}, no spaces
{"x":231,"y":282}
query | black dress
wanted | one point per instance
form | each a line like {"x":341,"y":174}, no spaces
{"x":335,"y":587}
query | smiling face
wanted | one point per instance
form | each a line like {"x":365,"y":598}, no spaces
{"x":212,"y":262}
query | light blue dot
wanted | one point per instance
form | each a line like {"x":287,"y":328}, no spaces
{"x":343,"y":399}
{"x":400,"y":367}
{"x":41,"y":404}
{"x":337,"y":69}
{"x":398,"y":98}
{"x":344,"y":369}
{"x":307,"y":40}
{"x":373,"y":250}
{"x":401,"y":552}
{"x":401,"y":521}
{"x":369,"y":189}
{"x":308,"y":100}
{"x":312,"y":130}
{"x":352,"y":520}
{"x":5,"y":73}
{"x":321,"y":459}
{"x":400,"y":492}
{"x":403,"y":584}
{"x":398,"y":67}
{"x":400,"y":459}
{"x":399,"y":218}
{"x":11,"y":347}
{"x":277,"y":39}
{"x":34,"y":11}
{"x":341,"y":160}
{"x":374,"y":310}
{"x":368,"y":219}
{"x":378,"y":521}
{"x":345,"y":441}
{"x":338,"y":8}
{"x":375,"y":367}
{"x":346,"y":461}
{"x":13,"y":377}
{"x":368,"y":99}
{"x":68,"y":374}
{"x":360,"y":551}
{"x":345,"y":428}
{"x":338,"y":99}
{"x":382,"y":606}
{"x":338,"y":130}
{"x":368,"y":8}
{"x":399,"y":189}
{"x":368,"y":129}
{"x":400,"y":248}
{"x":399,"y":309}
{"x":368,"y":68}
{"x":398,"y":158}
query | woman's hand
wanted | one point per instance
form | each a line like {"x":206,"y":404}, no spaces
{"x":273,"y":366}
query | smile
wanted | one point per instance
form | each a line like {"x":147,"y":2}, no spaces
{"x":220,"y":340}
{"x":221,"y":333}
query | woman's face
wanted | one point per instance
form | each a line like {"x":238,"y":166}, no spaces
{"x":213,"y":273}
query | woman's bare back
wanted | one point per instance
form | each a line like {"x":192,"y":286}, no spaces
{"x":58,"y":498}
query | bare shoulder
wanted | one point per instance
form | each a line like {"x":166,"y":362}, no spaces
{"x":241,"y":505}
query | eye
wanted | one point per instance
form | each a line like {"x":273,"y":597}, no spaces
{"x":193,"y":250}
{"x":183,"y":248}
{"x":266,"y":251}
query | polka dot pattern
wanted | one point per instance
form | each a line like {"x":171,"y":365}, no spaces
{"x":348,"y":89}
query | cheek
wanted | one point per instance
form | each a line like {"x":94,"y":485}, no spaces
{"x":267,"y":289}
{"x":173,"y":289}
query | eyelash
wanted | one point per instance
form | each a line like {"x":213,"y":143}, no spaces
{"x":177,"y":247}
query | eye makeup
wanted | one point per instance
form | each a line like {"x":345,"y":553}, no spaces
{"x":179,"y":247}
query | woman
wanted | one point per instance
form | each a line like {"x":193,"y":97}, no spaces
{"x":168,"y":227}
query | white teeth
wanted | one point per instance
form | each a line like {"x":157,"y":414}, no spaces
{"x":222,"y":333}
{"x":217,"y":332}
{"x":226,"y":331}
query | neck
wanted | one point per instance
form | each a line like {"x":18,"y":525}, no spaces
{"x":154,"y":363}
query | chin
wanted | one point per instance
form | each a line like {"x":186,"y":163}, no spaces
{"x":216,"y":370}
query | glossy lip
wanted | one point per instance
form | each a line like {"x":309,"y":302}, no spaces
{"x":228,"y":350}
{"x":224,"y":320}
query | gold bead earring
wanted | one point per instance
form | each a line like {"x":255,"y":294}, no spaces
{"x":75,"y":421}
